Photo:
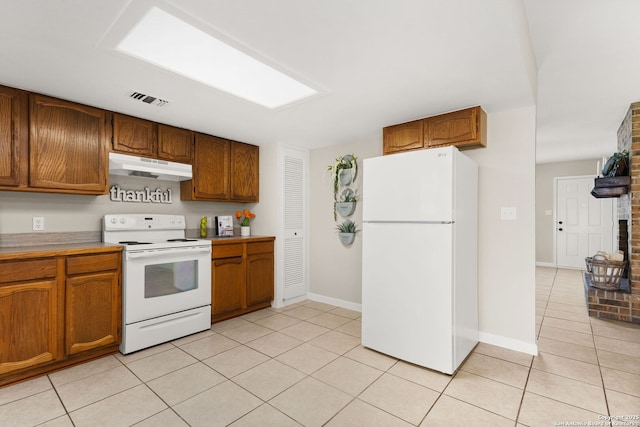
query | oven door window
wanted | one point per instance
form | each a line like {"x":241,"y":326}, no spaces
{"x":170,"y":278}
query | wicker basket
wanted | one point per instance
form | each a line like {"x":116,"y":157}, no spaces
{"x":605,"y":274}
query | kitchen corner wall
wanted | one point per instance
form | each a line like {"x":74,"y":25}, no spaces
{"x":506,"y":276}
{"x":506,"y":249}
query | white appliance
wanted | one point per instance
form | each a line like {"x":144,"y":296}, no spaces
{"x":419,"y":257}
{"x":126,"y":165}
{"x":166,"y":279}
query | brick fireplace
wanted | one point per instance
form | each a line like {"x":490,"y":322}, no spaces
{"x":625,"y":305}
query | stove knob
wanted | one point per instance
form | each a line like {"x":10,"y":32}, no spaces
{"x":113,"y":220}
{"x":123,"y":220}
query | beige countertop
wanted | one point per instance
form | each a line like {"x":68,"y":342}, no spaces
{"x":37,"y":251}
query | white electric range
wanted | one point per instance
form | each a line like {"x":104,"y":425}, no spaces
{"x":166,"y":278}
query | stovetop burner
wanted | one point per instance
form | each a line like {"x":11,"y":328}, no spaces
{"x":140,"y":232}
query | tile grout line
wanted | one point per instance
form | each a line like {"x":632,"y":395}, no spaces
{"x":596,"y":364}
{"x":524,"y":389}
{"x":604,"y":389}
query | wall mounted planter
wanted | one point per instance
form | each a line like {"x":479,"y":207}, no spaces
{"x":345,"y":177}
{"x":344,"y":172}
{"x":347,"y":238}
{"x":345,"y":209}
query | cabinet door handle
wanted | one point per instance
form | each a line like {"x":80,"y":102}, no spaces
{"x":227,"y":261}
{"x":559,"y":229}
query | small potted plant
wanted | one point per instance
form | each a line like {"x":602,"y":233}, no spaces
{"x":245,"y":216}
{"x":346,"y":204}
{"x":347,"y":232}
{"x":344,"y":172}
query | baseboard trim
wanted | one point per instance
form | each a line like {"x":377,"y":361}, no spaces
{"x":335,"y":301}
{"x":508,"y":343}
{"x":289,"y":301}
{"x":545,"y":264}
{"x":485,"y":337}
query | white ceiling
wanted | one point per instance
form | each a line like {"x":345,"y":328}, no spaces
{"x":375,"y":62}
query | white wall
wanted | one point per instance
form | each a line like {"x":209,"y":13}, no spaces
{"x":266,"y":220}
{"x":70,"y":212}
{"x":506,"y":276}
{"x":506,"y":260}
{"x":335,"y":270}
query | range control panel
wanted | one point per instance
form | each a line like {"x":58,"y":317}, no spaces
{"x":144,"y":222}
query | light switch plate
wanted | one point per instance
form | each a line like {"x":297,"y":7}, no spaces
{"x":508,"y":214}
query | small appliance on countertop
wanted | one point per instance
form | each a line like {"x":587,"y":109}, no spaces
{"x":224,"y":226}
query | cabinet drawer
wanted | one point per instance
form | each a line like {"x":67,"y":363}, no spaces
{"x":20,"y":271}
{"x":259,"y":248}
{"x":226,"y":251}
{"x":91,"y":263}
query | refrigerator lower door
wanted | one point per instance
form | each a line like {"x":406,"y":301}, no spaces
{"x":407,"y":307}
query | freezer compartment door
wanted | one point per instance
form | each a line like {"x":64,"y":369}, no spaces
{"x":407,"y":292}
{"x":413,"y":186}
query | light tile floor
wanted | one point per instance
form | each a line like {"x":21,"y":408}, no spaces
{"x":304,"y":365}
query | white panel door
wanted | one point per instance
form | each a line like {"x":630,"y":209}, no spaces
{"x":584,"y":224}
{"x":294,"y":283}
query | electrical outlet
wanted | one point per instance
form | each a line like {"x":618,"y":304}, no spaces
{"x":38,"y":223}
{"x":508,"y":214}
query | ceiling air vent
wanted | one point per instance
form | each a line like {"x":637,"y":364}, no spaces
{"x":148,"y":99}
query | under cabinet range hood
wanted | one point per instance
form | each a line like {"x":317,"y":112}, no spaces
{"x":123,"y":164}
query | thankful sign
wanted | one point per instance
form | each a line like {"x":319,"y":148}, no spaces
{"x":147,"y":195}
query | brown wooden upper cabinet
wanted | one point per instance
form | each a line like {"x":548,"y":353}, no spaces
{"x":145,"y":138}
{"x":14,"y":137}
{"x":175,"y":144}
{"x":403,"y":137}
{"x":132,"y":135}
{"x":245,"y":172}
{"x":464,"y":128}
{"x":68,"y":146}
{"x":223,"y":171}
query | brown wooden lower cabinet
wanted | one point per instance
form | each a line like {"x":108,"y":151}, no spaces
{"x":29,"y":314}
{"x":58,"y":310}
{"x":259,"y":273}
{"x":242,"y":276}
{"x":228,"y":281}
{"x":93,"y":302}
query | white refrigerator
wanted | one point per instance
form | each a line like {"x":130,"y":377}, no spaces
{"x":419,"y":257}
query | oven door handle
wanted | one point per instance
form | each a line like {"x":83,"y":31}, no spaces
{"x":155,"y":253}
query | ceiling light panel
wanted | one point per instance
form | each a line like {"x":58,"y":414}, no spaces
{"x":166,"y":41}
